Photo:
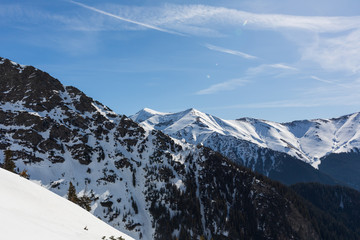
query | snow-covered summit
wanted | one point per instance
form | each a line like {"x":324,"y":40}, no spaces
{"x":308,"y":140}
{"x":146,"y":113}
{"x":171,"y":123}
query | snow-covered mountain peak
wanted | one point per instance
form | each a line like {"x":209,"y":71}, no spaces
{"x":308,"y":140}
{"x":150,"y":112}
{"x":191,"y":111}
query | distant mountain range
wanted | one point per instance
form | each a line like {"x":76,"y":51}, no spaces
{"x":141,"y":181}
{"x":273,"y":149}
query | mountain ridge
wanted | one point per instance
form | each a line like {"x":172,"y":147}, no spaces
{"x":288,"y":137}
{"x":310,"y":141}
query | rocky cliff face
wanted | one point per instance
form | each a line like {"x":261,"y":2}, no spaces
{"x":140,"y":181}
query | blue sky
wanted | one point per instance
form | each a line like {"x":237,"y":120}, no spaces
{"x":279,"y":60}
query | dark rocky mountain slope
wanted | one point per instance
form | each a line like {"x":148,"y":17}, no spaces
{"x":340,"y":202}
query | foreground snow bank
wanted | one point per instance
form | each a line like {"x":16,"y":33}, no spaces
{"x":29,"y":211}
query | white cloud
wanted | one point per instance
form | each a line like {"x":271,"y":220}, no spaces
{"x":209,"y":16}
{"x":224,"y":86}
{"x":282,"y":66}
{"x":331,"y":53}
{"x":191,"y":19}
{"x":278,"y":69}
{"x":270,"y":69}
{"x":336,"y":53}
{"x":229,"y":51}
{"x":204,"y":19}
{"x":321,"y":80}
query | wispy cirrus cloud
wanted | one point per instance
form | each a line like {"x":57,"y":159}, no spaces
{"x":172,"y":15}
{"x":336,"y":83}
{"x":270,"y":69}
{"x":282,"y":66}
{"x":321,"y":80}
{"x":224,"y":86}
{"x":333,"y":53}
{"x":192,"y":19}
{"x":336,"y":53}
{"x":277,"y":69}
{"x":229,"y":51}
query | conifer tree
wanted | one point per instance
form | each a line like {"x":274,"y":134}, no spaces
{"x":72,"y":194}
{"x":8,"y":162}
{"x":85,"y":202}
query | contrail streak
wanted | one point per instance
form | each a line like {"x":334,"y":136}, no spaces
{"x":125,"y":19}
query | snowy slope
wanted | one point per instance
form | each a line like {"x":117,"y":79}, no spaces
{"x":307,"y":140}
{"x":29,"y":211}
